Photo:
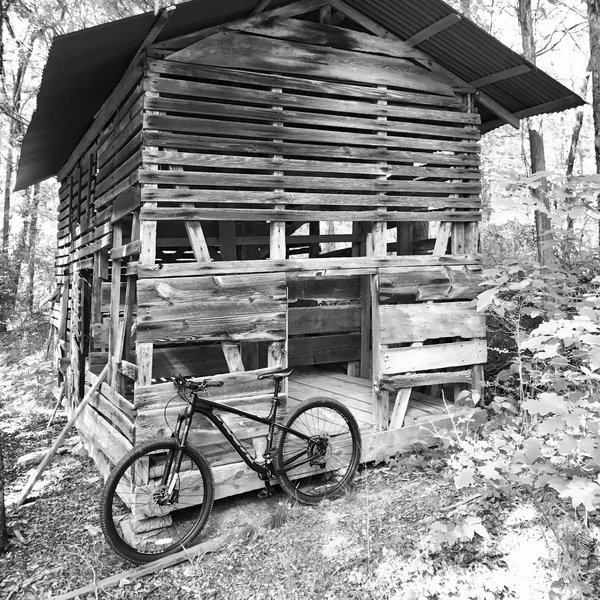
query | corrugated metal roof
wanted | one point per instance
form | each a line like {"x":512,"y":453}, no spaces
{"x":84,"y":67}
{"x":471,"y":53}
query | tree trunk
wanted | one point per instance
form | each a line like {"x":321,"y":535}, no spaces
{"x":543,"y":228}
{"x":577,"y":129}
{"x":575,"y":142}
{"x":32,"y":235}
{"x":593,"y":11}
{"x":3,"y":528}
{"x":7,"y":190}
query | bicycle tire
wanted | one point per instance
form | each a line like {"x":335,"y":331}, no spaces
{"x":322,"y":467}
{"x":188,"y":514}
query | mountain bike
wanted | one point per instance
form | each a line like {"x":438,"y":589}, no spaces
{"x":159,"y":496}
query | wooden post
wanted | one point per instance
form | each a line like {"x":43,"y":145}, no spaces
{"x":277,"y":251}
{"x":378,"y":248}
{"x":115,"y":308}
{"x":61,"y":437}
{"x":144,"y":350}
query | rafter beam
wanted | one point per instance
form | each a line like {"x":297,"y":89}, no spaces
{"x":499,"y":110}
{"x":501,"y":75}
{"x":546,"y":107}
{"x":434,"y":29}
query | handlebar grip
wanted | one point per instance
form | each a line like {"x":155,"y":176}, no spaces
{"x":217,"y":383}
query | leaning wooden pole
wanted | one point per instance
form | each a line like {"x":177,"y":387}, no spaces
{"x":61,"y":437}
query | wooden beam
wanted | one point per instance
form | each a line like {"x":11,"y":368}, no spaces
{"x":552,"y":106}
{"x":501,"y":75}
{"x":152,"y":215}
{"x":434,"y":29}
{"x":36,"y":475}
{"x":323,"y":267}
{"x":498,"y":109}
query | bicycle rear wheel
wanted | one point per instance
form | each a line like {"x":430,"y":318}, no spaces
{"x":319,"y":451}
{"x":144,"y":520}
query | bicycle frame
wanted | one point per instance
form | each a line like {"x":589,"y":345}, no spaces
{"x":207,"y":408}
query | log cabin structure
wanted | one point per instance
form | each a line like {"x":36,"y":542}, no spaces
{"x":274,"y":184}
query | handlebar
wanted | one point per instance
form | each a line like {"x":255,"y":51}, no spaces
{"x":183,"y":382}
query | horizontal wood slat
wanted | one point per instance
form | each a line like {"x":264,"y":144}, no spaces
{"x":403,"y":323}
{"x":315,"y":267}
{"x":226,"y":161}
{"x":249,"y":197}
{"x":304,"y":134}
{"x":236,"y":145}
{"x":324,"y":319}
{"x":435,"y":356}
{"x":233,"y":214}
{"x":297,"y":118}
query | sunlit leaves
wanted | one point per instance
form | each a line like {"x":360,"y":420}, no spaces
{"x":545,"y":403}
{"x":582,"y":492}
{"x":465,"y":478}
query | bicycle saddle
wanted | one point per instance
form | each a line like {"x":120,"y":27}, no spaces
{"x":281,"y":374}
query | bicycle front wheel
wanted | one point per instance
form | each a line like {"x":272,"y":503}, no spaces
{"x":143,"y":519}
{"x":318,"y":451}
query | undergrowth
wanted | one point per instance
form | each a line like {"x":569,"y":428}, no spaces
{"x":541,"y":444}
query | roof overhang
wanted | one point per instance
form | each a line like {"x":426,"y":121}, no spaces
{"x":84,"y":67}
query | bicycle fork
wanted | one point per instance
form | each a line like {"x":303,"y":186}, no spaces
{"x":170,"y":474}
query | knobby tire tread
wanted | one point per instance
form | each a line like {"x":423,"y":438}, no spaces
{"x":108,"y":528}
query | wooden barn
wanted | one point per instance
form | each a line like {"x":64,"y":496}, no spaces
{"x":247,"y":185}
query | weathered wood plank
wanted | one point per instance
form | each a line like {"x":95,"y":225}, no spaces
{"x":424,"y":379}
{"x":227,"y":161}
{"x":235,"y":214}
{"x":236,"y":386}
{"x":341,"y":289}
{"x":435,"y":356}
{"x":346,"y":152}
{"x":176,"y":196}
{"x":212,"y":100}
{"x":104,"y":435}
{"x":403,"y":323}
{"x":234,"y":50}
{"x":230,"y":309}
{"x":429,"y":283}
{"x":124,"y":204}
{"x":126,"y":250}
{"x":453,"y":129}
{"x":323,"y":319}
{"x":318,"y":267}
{"x":259,"y":131}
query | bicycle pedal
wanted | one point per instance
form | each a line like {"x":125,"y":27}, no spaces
{"x":263,"y":495}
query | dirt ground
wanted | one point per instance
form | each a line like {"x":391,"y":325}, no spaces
{"x":373,"y":543}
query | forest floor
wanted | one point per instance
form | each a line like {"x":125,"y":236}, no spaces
{"x":376,"y":542}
